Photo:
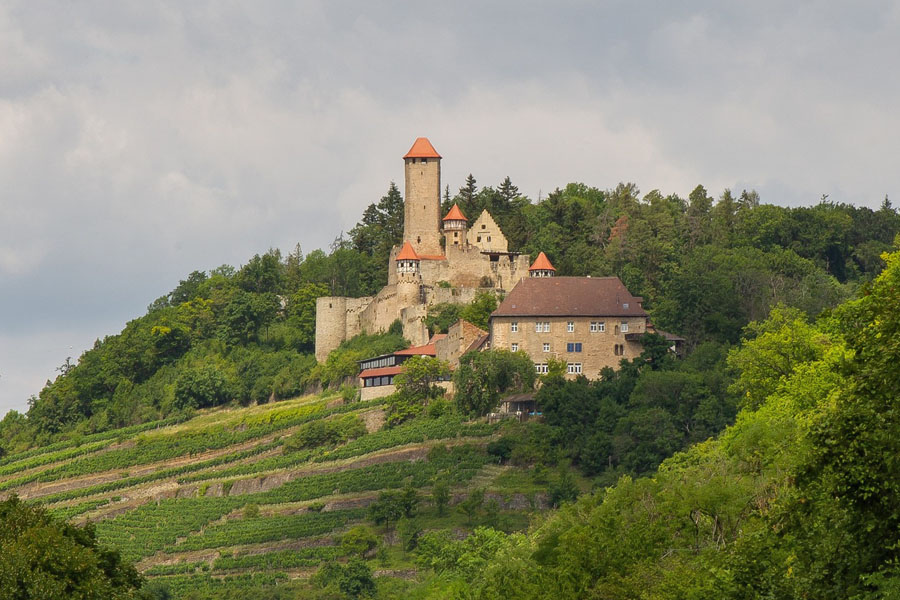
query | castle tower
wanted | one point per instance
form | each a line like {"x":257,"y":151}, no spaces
{"x":422,"y":210}
{"x":455,"y":227}
{"x":409,"y":278}
{"x":542,"y":267}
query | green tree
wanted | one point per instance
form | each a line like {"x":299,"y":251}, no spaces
{"x":480,"y":309}
{"x":388,"y":509}
{"x":483,"y":378}
{"x":356,"y":579}
{"x":41,"y":557}
{"x":471,"y":506}
{"x":201,"y":387}
{"x":440,"y":496}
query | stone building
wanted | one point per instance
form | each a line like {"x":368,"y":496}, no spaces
{"x":440,"y":260}
{"x":587,"y":322}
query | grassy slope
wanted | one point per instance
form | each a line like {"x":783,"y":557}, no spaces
{"x":172,"y":495}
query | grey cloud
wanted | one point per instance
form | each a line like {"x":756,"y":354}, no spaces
{"x":142,"y":140}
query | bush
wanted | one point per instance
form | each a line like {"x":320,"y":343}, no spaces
{"x":358,"y":541}
{"x":326,"y":433}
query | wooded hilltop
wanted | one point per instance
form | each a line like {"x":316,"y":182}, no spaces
{"x":763,"y":464}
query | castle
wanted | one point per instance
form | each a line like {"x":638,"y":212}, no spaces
{"x":441,"y":260}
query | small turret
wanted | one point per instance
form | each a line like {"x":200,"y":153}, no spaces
{"x":542,"y":267}
{"x":454,"y":225}
{"x":407,"y":260}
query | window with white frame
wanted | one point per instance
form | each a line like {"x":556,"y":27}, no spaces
{"x":624,"y":327}
{"x":546,"y":347}
{"x":514,"y":347}
{"x":540,"y":368}
{"x":573,"y":368}
{"x":598,"y":326}
{"x":546,"y":326}
{"x":570,"y":326}
{"x":537,"y":326}
{"x":514,"y":326}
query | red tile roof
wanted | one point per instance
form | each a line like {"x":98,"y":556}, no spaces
{"x":570,"y":296}
{"x":432,"y":257}
{"x":407,"y":252}
{"x":381,"y":371}
{"x":455,"y":214}
{"x":422,"y":148}
{"x":426,"y":350}
{"x":541,"y":263}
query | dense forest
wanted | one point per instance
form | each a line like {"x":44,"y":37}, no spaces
{"x":705,"y":267}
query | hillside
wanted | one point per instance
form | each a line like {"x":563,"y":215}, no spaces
{"x":231,"y":499}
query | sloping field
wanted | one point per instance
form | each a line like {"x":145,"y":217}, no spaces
{"x":230,"y":499}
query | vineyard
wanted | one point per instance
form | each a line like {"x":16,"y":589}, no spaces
{"x":235,"y":499}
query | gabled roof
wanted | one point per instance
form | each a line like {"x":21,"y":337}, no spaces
{"x":478,"y":343}
{"x":407,"y":253}
{"x":570,"y":297}
{"x":422,"y":148}
{"x":455,"y":214}
{"x":542,"y":263}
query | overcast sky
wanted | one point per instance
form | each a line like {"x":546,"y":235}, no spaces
{"x":141,"y":140}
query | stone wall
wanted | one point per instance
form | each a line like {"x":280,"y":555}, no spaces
{"x":467,"y":267}
{"x":337,"y":319}
{"x":598,"y":348}
{"x":460,"y":336}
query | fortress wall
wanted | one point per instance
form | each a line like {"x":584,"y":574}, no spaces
{"x":337,"y":319}
{"x":439,"y":295}
{"x":413,"y":319}
{"x":383,"y":310}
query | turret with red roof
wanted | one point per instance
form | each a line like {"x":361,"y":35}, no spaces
{"x":407,"y":259}
{"x":455,"y":224}
{"x":542,"y":267}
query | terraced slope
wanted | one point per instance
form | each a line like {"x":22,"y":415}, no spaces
{"x":225,"y":500}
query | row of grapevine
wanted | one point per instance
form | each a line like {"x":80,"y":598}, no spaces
{"x":76,"y":441}
{"x":127,"y":482}
{"x":266,"y":529}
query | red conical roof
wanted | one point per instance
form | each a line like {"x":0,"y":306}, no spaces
{"x":455,"y":214}
{"x":407,"y":252}
{"x":542,"y":263}
{"x":422,"y":148}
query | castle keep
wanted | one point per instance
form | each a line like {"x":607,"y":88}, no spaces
{"x":440,"y":260}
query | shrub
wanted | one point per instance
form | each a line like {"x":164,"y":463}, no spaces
{"x":359,"y":541}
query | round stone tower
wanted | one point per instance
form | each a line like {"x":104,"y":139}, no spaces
{"x":422,"y":210}
{"x":409,"y":278}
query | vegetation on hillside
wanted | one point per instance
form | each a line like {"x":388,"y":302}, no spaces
{"x":796,"y":500}
{"x":42,"y":557}
{"x":705,"y":268}
{"x":312,"y":496}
